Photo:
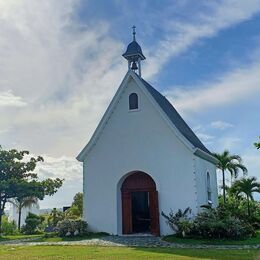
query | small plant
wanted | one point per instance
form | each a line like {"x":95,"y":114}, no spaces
{"x":71,"y":227}
{"x":8,"y":228}
{"x":179,"y":222}
{"x":32,"y":224}
{"x":50,"y":235}
{"x":54,"y":217}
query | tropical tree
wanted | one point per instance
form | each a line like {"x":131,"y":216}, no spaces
{"x":257,"y":145}
{"x":231,"y":163}
{"x":54,"y":217}
{"x":246,"y":187}
{"x":78,"y":202}
{"x":76,"y":208}
{"x":18,"y":179}
{"x":20,"y":203}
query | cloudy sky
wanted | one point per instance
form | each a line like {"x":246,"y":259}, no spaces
{"x":61,"y":63}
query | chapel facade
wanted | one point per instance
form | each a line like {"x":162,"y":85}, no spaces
{"x":143,"y":159}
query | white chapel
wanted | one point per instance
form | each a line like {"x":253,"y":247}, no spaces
{"x":143,"y":159}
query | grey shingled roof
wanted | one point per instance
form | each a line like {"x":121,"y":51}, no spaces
{"x":133,"y":48}
{"x":175,"y":117}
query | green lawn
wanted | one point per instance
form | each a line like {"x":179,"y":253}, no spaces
{"x":59,"y":239}
{"x":200,"y":241}
{"x":16,"y":237}
{"x":42,"y":238}
{"x":91,"y":252}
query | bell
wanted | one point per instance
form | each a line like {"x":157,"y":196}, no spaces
{"x":134,"y":66}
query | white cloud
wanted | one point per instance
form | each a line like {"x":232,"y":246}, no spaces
{"x":64,"y":168}
{"x":228,"y":142}
{"x":237,"y":85}
{"x":68,"y":71}
{"x":221,"y":125}
{"x":251,"y":159}
{"x":205,"y":137}
{"x":181,"y":35}
{"x":8,"y":99}
{"x":196,"y":128}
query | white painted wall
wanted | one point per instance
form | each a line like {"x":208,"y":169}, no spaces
{"x":136,"y":140}
{"x":202,"y":167}
{"x":35,"y":209}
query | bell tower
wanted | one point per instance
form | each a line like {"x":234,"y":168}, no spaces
{"x":134,"y":55}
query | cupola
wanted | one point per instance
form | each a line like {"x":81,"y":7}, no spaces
{"x":134,"y":54}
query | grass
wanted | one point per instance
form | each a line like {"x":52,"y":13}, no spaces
{"x":17,"y":237}
{"x":96,"y":252}
{"x":200,"y":241}
{"x":43,"y":238}
{"x":60,"y":239}
{"x":171,"y":238}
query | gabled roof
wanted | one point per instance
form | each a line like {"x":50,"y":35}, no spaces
{"x":175,"y":117}
{"x":168,"y":112}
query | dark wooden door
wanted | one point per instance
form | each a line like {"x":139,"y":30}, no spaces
{"x":154,"y":213}
{"x":127,"y":212}
{"x":139,"y":181}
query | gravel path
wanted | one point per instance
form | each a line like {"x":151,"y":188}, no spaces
{"x":127,"y":241}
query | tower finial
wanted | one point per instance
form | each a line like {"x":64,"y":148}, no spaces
{"x":134,"y":54}
{"x":134,"y":32}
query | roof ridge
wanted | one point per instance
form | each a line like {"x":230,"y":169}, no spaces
{"x":174,"y":116}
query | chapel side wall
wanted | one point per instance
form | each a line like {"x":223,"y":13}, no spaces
{"x":136,"y":140}
{"x":85,"y":191}
{"x":202,"y":167}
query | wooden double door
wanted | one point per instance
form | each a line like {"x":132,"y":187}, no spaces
{"x":140,"y":211}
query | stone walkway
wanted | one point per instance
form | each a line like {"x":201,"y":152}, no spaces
{"x":127,"y":241}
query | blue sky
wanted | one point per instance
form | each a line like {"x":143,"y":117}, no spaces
{"x":61,"y":64}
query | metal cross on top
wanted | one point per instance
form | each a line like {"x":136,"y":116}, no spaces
{"x":134,"y":32}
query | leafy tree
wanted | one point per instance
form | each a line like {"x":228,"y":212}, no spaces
{"x":231,"y":163}
{"x":257,"y":145}
{"x":23,"y":202}
{"x":18,"y":181}
{"x":32,"y":223}
{"x":54,"y":217}
{"x":78,"y":202}
{"x":76,"y":209}
{"x":246,"y":187}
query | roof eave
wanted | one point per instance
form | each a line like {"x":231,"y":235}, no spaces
{"x":206,"y":156}
{"x":126,"y":56}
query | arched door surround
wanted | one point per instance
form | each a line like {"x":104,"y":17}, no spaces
{"x":142,"y":184}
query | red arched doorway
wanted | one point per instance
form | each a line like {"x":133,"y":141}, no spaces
{"x":140,"y":212}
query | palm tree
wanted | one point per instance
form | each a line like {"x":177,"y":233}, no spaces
{"x":231,"y":163}
{"x":21,"y":203}
{"x":246,"y":186}
{"x":257,"y":145}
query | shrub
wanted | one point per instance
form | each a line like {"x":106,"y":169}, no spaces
{"x":211,"y":223}
{"x":216,"y":223}
{"x":54,"y":217}
{"x":179,"y":222}
{"x":71,"y":227}
{"x":32,"y":224}
{"x":50,"y":235}
{"x":8,"y":228}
